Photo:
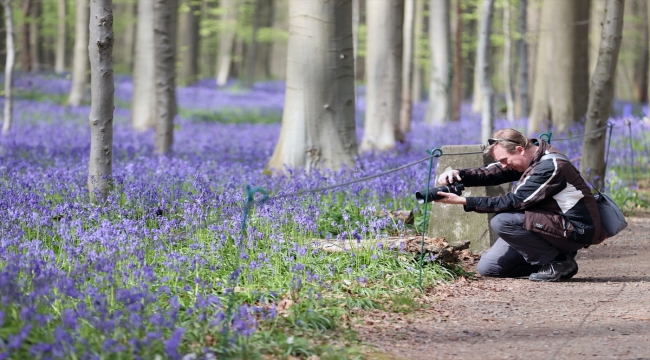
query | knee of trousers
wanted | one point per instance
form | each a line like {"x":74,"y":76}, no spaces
{"x":498,"y":223}
{"x":488,"y":267}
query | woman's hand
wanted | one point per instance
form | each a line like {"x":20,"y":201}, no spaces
{"x":448,"y":177}
{"x":451,"y":198}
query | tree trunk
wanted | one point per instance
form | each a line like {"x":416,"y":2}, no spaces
{"x":457,"y":82}
{"x":522,"y":105}
{"x":59,"y":64}
{"x":640,"y":90}
{"x":26,"y":51}
{"x":144,"y":76}
{"x":600,"y":95}
{"x":483,"y":64}
{"x":80,"y":59}
{"x":35,"y":43}
{"x":208,"y":40}
{"x":189,"y":49}
{"x":279,"y":50}
{"x":130,"y":33}
{"x":477,"y":99}
{"x":251,"y":51}
{"x":384,"y":21}
{"x":595,"y":30}
{"x":356,"y":20}
{"x":100,"y":50}
{"x":226,"y":38}
{"x":263,"y":52}
{"x":407,"y":67}
{"x":561,"y":82}
{"x":318,"y":127}
{"x":9,"y":67}
{"x":418,"y":36}
{"x":440,"y":44}
{"x":3,"y":36}
{"x":507,"y":35}
{"x":164,"y":32}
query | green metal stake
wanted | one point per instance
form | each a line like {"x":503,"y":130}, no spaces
{"x":629,"y":126}
{"x":250,"y":201}
{"x":548,"y":136}
{"x":434,"y":153}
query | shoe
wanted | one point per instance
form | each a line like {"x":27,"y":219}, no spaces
{"x":556,"y":270}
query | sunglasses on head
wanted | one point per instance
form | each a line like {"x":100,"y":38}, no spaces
{"x":494,"y":141}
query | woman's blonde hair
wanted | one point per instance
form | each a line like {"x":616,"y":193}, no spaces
{"x":509,"y":139}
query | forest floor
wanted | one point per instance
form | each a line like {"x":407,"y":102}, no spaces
{"x":602,"y":313}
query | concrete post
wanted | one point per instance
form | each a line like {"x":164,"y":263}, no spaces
{"x":451,"y":221}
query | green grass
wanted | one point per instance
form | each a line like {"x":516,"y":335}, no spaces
{"x":231,"y":116}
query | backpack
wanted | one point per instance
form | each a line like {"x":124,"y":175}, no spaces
{"x":611,"y":216}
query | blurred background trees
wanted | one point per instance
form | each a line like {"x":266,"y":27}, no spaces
{"x":540,"y":54}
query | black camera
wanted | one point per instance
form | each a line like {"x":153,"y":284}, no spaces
{"x":455,"y":188}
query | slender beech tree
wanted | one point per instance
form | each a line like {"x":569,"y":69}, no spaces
{"x":356,"y":19}
{"x":251,"y":50}
{"x":457,"y":79}
{"x":600,"y":94}
{"x":595,"y":30}
{"x":80,"y":55}
{"x":507,"y":55}
{"x":100,"y":50}
{"x":130,"y":11}
{"x":144,"y":76}
{"x":440,"y":80}
{"x":477,"y":99}
{"x":407,"y":67}
{"x":318,"y":128}
{"x":26,"y":51}
{"x":228,"y":23}
{"x":562,"y":80}
{"x":189,"y":48}
{"x":165,"y":69}
{"x":522,"y":104}
{"x":483,"y":58}
{"x":640,"y":91}
{"x":383,"y":74}
{"x":9,"y":66}
{"x":266,"y":15}
{"x":35,"y":43}
{"x":59,"y":62}
{"x":419,"y":34}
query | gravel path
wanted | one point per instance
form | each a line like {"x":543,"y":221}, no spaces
{"x":602,"y":313}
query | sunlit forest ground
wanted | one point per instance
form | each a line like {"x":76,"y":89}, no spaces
{"x":165,"y":267}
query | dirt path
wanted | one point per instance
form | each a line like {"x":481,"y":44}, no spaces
{"x":602,"y":313}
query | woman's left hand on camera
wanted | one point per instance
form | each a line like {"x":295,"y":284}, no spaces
{"x":450,"y":198}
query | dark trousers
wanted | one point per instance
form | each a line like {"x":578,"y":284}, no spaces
{"x":519,"y":252}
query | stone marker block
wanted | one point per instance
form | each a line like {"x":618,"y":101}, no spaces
{"x":451,"y":221}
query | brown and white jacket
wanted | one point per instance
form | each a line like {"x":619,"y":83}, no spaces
{"x":552,"y":193}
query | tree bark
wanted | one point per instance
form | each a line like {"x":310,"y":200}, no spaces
{"x":457,"y":81}
{"x":439,"y":108}
{"x":26,"y":51}
{"x":483,"y":64}
{"x":595,"y":30}
{"x":189,"y":48}
{"x":600,"y":95}
{"x":251,"y":51}
{"x":59,"y":63}
{"x":35,"y":43}
{"x":522,"y":104}
{"x":130,"y":33}
{"x":477,"y":99}
{"x":80,"y":56}
{"x":165,"y":69}
{"x":562,"y":79}
{"x":418,"y":35}
{"x":507,"y":41}
{"x":100,"y":50}
{"x":407,"y":67}
{"x":226,"y":38}
{"x":318,"y":127}
{"x":640,"y":90}
{"x":144,"y":76}
{"x":383,"y":68}
{"x":9,"y":67}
